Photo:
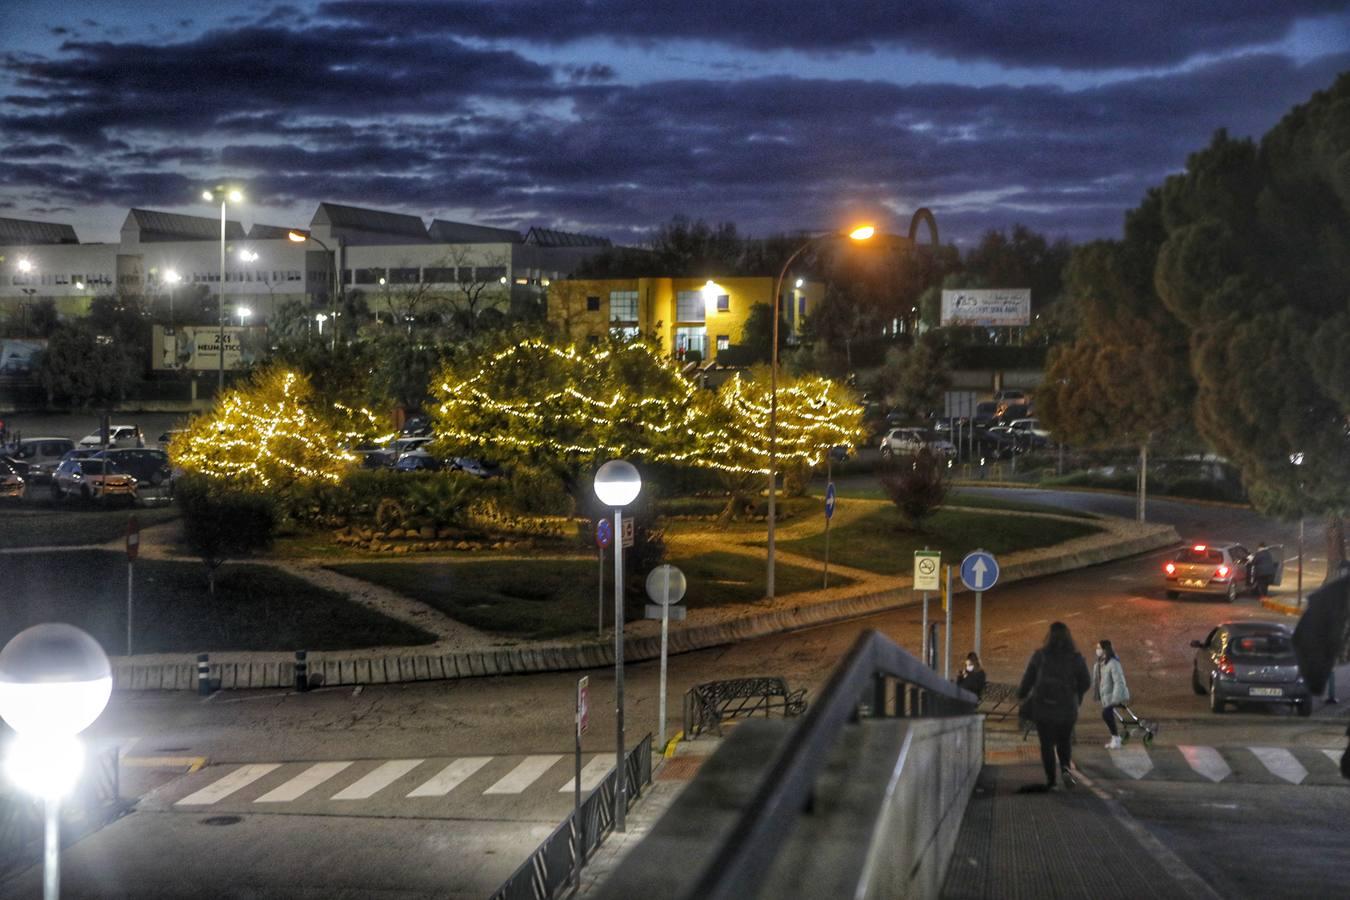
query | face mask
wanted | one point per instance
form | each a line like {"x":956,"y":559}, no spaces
{"x":1101,"y":654}
{"x":970,"y":667}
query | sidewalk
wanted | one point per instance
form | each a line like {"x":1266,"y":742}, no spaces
{"x":1076,"y":843}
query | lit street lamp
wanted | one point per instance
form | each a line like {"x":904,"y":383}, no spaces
{"x":617,"y":484}
{"x":300,"y":237}
{"x":244,"y":313}
{"x":54,"y":682}
{"x":320,"y":318}
{"x":224,"y":195}
{"x":171,"y":278}
{"x":860,"y":233}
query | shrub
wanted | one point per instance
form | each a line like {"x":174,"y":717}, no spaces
{"x":535,"y":490}
{"x":1205,"y":489}
{"x":917,"y":485}
{"x":220,"y":523}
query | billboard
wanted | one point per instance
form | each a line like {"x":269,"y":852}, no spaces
{"x":197,"y":347}
{"x":18,"y":359}
{"x":997,"y":308}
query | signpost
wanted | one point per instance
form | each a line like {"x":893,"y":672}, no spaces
{"x":947,"y":637}
{"x":627,"y":533}
{"x":979,"y":572}
{"x":604,"y":533}
{"x":665,"y":586}
{"x":583,"y":722}
{"x":927,"y":565}
{"x":829,"y":514}
{"x":133,"y":548}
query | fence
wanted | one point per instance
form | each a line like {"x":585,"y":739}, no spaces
{"x":95,"y":801}
{"x":553,"y":865}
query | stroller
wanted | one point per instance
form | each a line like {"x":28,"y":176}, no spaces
{"x":1130,"y":723}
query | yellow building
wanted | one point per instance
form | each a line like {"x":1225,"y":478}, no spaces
{"x":688,"y":315}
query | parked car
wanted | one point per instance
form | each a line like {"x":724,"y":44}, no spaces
{"x":1249,"y":662}
{"x":148,"y":466}
{"x":12,"y":483}
{"x":20,"y":467}
{"x":985,"y":412}
{"x":43,"y":455}
{"x":1028,"y":427}
{"x":1005,"y":397}
{"x":416,"y":426}
{"x":164,"y":439}
{"x":1010,"y":412}
{"x":478,"y":468}
{"x":91,"y":479}
{"x":118,"y":436}
{"x":419,"y":461}
{"x":908,"y":441}
{"x":1220,"y":569}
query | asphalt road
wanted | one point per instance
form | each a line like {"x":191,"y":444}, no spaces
{"x":464,"y":841}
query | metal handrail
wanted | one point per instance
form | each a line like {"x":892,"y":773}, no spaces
{"x":738,"y":866}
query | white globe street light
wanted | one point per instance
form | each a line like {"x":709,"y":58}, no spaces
{"x":617,"y":484}
{"x":55,"y":680}
{"x":665,"y":586}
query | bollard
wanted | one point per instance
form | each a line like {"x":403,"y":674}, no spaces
{"x":203,"y":675}
{"x":301,"y":671}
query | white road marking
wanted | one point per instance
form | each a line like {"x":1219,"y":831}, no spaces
{"x":378,"y":779}
{"x":1334,"y":755}
{"x":1071,"y":615}
{"x":592,"y":774}
{"x":1039,"y":622}
{"x":449,"y":778}
{"x":1206,"y":761}
{"x":1002,"y":631}
{"x":1123,"y":578}
{"x":524,"y":775}
{"x":303,"y":783}
{"x":1106,"y":606}
{"x":1133,"y":761}
{"x":221,"y":788}
{"x":1281,"y":763}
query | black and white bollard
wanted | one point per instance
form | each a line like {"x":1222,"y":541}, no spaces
{"x":301,"y":671}
{"x":203,"y":675}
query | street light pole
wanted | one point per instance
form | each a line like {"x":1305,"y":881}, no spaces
{"x":860,"y":233}
{"x":226,"y":195}
{"x":300,"y":237}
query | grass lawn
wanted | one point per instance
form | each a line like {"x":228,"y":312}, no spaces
{"x":548,"y":598}
{"x":43,"y":526}
{"x":254,"y":608}
{"x":955,"y":498}
{"x":879,"y":542}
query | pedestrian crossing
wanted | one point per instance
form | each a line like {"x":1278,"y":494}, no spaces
{"x":1216,"y":765}
{"x":341,"y":783}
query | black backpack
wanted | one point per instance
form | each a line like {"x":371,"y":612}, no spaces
{"x":1053,"y":698}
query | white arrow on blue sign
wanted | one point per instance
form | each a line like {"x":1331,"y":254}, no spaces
{"x":829,"y":500}
{"x":979,"y":570}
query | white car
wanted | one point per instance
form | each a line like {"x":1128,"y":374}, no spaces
{"x":908,"y":441}
{"x":42,"y":454}
{"x":118,"y":436}
{"x":1028,"y":426}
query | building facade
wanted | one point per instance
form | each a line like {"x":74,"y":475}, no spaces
{"x":690,"y":317}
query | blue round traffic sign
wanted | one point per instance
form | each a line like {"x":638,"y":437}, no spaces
{"x":604,"y":532}
{"x":829,"y":500}
{"x":979,"y":570}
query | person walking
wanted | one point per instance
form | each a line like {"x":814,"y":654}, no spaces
{"x":1108,"y":687}
{"x":1263,"y":570}
{"x":972,"y":677}
{"x":1053,"y":686}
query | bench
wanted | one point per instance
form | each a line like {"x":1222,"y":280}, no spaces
{"x":706,"y":706}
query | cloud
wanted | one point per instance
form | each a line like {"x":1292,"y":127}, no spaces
{"x":35,"y":151}
{"x":1026,"y":33}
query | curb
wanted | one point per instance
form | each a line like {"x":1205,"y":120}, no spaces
{"x":357,"y":667}
{"x":1289,"y":609}
{"x":1037,"y":486}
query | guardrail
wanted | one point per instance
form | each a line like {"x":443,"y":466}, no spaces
{"x":554,"y":865}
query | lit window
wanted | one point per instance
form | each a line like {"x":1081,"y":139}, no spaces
{"x":723,"y":341}
{"x":623,"y":306}
{"x":690,"y":306}
{"x":723,"y":303}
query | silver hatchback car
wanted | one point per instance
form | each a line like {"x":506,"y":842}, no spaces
{"x":1249,"y":662}
{"x":1218,"y":568}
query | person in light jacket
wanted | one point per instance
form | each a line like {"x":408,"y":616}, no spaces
{"x":1108,"y":686}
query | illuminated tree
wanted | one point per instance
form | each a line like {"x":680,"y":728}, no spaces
{"x":273,"y":433}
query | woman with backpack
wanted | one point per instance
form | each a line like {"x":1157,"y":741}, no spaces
{"x":1108,"y":686}
{"x":1052,"y":687}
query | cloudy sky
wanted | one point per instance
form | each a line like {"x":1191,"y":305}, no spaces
{"x":612,"y":116}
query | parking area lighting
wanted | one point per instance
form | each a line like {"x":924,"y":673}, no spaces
{"x":172,"y":277}
{"x":862,"y":233}
{"x":297,"y":237}
{"x":248,"y":256}
{"x":25,"y":266}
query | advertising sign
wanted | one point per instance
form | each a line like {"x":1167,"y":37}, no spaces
{"x":197,"y":347}
{"x":989,"y":308}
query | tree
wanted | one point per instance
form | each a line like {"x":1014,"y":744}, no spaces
{"x":915,"y":380}
{"x":757,"y":332}
{"x":917,"y":485}
{"x":474,"y":292}
{"x":220,"y":523}
{"x":84,"y":368}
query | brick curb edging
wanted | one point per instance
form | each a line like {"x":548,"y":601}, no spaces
{"x":1289,"y":609}
{"x":357,"y":667}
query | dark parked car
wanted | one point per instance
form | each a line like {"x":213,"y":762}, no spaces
{"x":1249,"y":662}
{"x":418,"y":461}
{"x":1010,"y":412}
{"x":11,"y":482}
{"x":146,"y":465}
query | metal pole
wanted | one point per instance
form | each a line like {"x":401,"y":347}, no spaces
{"x":1300,"y":562}
{"x":829,"y":481}
{"x":979,"y":602}
{"x":947,"y":638}
{"x":620,"y":800}
{"x":578,"y":834}
{"x":1143,"y":480}
{"x":130,"y":565}
{"x":665,"y":630}
{"x":923,"y":640}
{"x":337,"y":264}
{"x":600,"y":602}
{"x":51,"y":856}
{"x":220,"y":385}
{"x":826,"y":582}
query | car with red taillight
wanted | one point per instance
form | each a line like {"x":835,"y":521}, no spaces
{"x":1249,"y":662}
{"x":1218,"y":569}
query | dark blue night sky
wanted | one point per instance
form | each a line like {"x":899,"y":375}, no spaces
{"x":612,"y":116}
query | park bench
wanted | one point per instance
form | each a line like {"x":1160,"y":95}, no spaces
{"x":706,"y":706}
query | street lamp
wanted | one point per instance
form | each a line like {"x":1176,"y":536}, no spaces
{"x":172,"y":279}
{"x":617,"y":484}
{"x":321,"y":318}
{"x":244,"y":313}
{"x":224,"y":195}
{"x":860,"y":233}
{"x":299,"y":237}
{"x":54,"y":682}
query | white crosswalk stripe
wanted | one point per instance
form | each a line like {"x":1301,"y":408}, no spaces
{"x":373,"y":782}
{"x":1281,"y":763}
{"x":1133,"y":761}
{"x":451,"y":777}
{"x":524,"y":775}
{"x":303,"y":783}
{"x":1207,"y":761}
{"x":592,"y":774}
{"x":218,"y":790}
{"x":1334,"y":756}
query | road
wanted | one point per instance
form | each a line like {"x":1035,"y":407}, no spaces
{"x":298,"y":830}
